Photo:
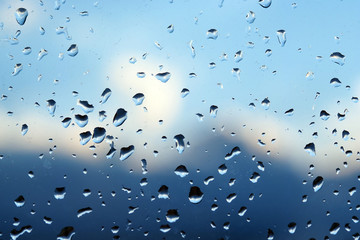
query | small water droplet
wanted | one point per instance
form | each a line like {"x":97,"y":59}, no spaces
{"x":179,"y":143}
{"x":335,"y":82}
{"x":126,"y":152}
{"x":184,"y":92}
{"x":238,"y":56}
{"x":250,"y":17}
{"x":265,"y":103}
{"x":19,"y":201}
{"x":181,"y":171}
{"x":242,"y":211}
{"x":324,"y":115}
{"x":42,"y":53}
{"x":85,"y":137}
{"x":24,"y":129}
{"x":17,"y":68}
{"x":265,"y":3}
{"x":105,"y":95}
{"x":254,"y":177}
{"x":292,"y":227}
{"x":73,"y":50}
{"x":172,"y":215}
{"x":26,"y":50}
{"x":212,"y":34}
{"x":163,"y":77}
{"x":338,"y":58}
{"x":335,"y":227}
{"x":317,"y":183}
{"x":51,"y":106}
{"x":310,"y":148}
{"x":234,"y":152}
{"x":21,"y":15}
{"x":281,"y":36}
{"x":138,"y":98}
{"x":170,"y":28}
{"x":66,"y":233}
{"x":59,"y":193}
{"x":195,"y":195}
{"x":163,"y":192}
{"x":81,"y":212}
{"x":213,"y":111}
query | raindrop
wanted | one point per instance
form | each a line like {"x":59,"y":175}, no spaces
{"x":250,"y":17}
{"x":51,"y":106}
{"x":310,"y":148}
{"x":254,"y":177}
{"x":165,"y":228}
{"x":19,"y":201}
{"x":317,"y":183}
{"x":292,"y":227}
{"x":281,"y":36}
{"x":337,"y":58}
{"x":179,"y":143}
{"x":193,"y":54}
{"x":268,"y":52}
{"x":26,"y":50}
{"x":163,"y":192}
{"x":17,"y":68}
{"x":242,"y":211}
{"x":265,"y":3}
{"x":335,"y":82}
{"x":126,"y":152}
{"x":85,"y":106}
{"x":42,"y":53}
{"x":335,"y":227}
{"x":141,"y":74}
{"x":105,"y":95}
{"x":66,"y":122}
{"x":265,"y":103}
{"x":21,"y":14}
{"x":184,"y":92}
{"x":234,"y":152}
{"x":24,"y":129}
{"x":81,"y":212}
{"x":59,"y":193}
{"x":213,"y":111}
{"x":99,"y":134}
{"x":73,"y":50}
{"x":66,"y":233}
{"x":14,"y":234}
{"x":238,"y":56}
{"x":47,"y":220}
{"x":163,"y":77}
{"x":170,"y":28}
{"x":231,"y":197}
{"x":172,"y":215}
{"x":181,"y":171}
{"x":119,"y":117}
{"x":81,"y":120}
{"x":138,"y":98}
{"x":208,"y":180}
{"x":212,"y":34}
{"x":324,"y":115}
{"x":289,"y":112}
{"x":222,"y":169}
{"x":85,"y":137}
{"x":195,"y":195}
{"x":310,"y":76}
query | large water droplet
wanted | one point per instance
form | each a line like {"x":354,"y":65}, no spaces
{"x":242,"y":211}
{"x":85,"y":106}
{"x":265,"y":3}
{"x":163,"y":192}
{"x":212,"y":34}
{"x":317,"y":183}
{"x":81,"y":120}
{"x":234,"y":152}
{"x":335,"y":82}
{"x":21,"y":14}
{"x":179,"y":143}
{"x":85,"y":137}
{"x":99,"y":134}
{"x":105,"y":95}
{"x":195,"y":195}
{"x":138,"y":98}
{"x":163,"y":77}
{"x":59,"y":193}
{"x":66,"y":233}
{"x":119,"y":117}
{"x":335,"y":227}
{"x":213,"y":111}
{"x":310,"y":148}
{"x":181,"y":171}
{"x":14,"y":234}
{"x":324,"y":115}
{"x":51,"y":106}
{"x":172,"y":215}
{"x":250,"y":17}
{"x":73,"y":50}
{"x":292,"y":227}
{"x":222,"y":169}
{"x":254,"y":177}
{"x":338,"y":58}
{"x":126,"y":152}
{"x":42,"y":53}
{"x":281,"y":36}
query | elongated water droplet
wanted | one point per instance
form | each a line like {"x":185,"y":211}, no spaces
{"x":289,"y":112}
{"x":270,"y":235}
{"x":66,"y":233}
{"x":317,"y":183}
{"x":81,"y":120}
{"x":338,"y":58}
{"x":165,"y":228}
{"x":231,"y":197}
{"x":17,"y":68}
{"x":335,"y":227}
{"x":119,"y":117}
{"x":163,"y":77}
{"x":26,"y":50}
{"x":85,"y":106}
{"x":234,"y":152}
{"x":126,"y":152}
{"x":242,"y":211}
{"x":98,"y":135}
{"x":195,"y":195}
{"x":213,"y":111}
{"x":265,"y":3}
{"x":42,"y":53}
{"x":81,"y":212}
{"x":51,"y":106}
{"x":179,"y":143}
{"x":310,"y":148}
{"x":281,"y":36}
{"x":14,"y":234}
{"x":212,"y":34}
{"x":138,"y":99}
{"x":24,"y":129}
{"x":73,"y":50}
{"x":47,"y":220}
{"x":105,"y":95}
{"x":21,"y":15}
{"x":193,"y":53}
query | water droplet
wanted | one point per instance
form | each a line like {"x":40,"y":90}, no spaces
{"x":51,"y":106}
{"x":85,"y":137}
{"x":47,"y":220}
{"x":310,"y":148}
{"x":170,"y":28}
{"x":345,"y":135}
{"x":238,"y":56}
{"x":105,"y":95}
{"x":81,"y":212}
{"x":14,"y":234}
{"x":126,"y":152}
{"x":265,"y":3}
{"x":195,"y":195}
{"x":163,"y":77}
{"x":19,"y":201}
{"x":66,"y":233}
{"x":212,"y":34}
{"x":181,"y":171}
{"x":338,"y":58}
{"x":234,"y":152}
{"x":193,"y":54}
{"x":73,"y":50}
{"x":140,"y":74}
{"x":268,"y":52}
{"x":20,"y":15}
{"x":265,"y":103}
{"x":119,"y":117}
{"x":335,"y":82}
{"x":165,"y":228}
{"x":81,"y":120}
{"x":213,"y":111}
{"x":99,"y":134}
{"x":26,"y":50}
{"x":352,"y":191}
{"x":163,"y":192}
{"x":231,"y":197}
{"x":317,"y":183}
{"x":17,"y":68}
{"x":254,"y":177}
{"x":222,"y":169}
{"x":24,"y":129}
{"x":41,"y":30}
{"x":179,"y":143}
{"x":335,"y":227}
{"x":250,"y":17}
{"x":208,"y":180}
{"x":172,"y":215}
{"x":292,"y":227}
{"x":289,"y":112}
{"x":138,"y":98}
{"x":310,"y":76}
{"x":85,"y":106}
{"x":184,"y":92}
{"x":324,"y":115}
{"x":281,"y":36}
{"x":242,"y":211}
{"x":42,"y":53}
{"x":270,"y":235}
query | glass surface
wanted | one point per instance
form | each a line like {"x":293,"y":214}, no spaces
{"x":179,"y":119}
